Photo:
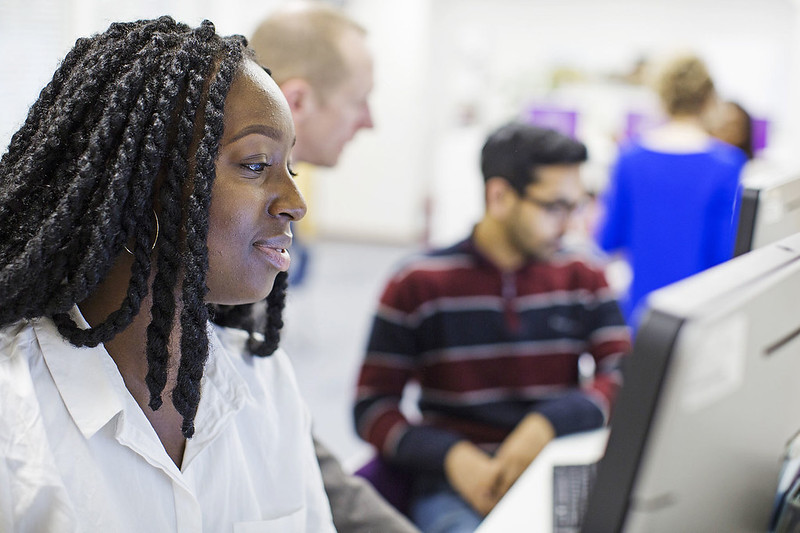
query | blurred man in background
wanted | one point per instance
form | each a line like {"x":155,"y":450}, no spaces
{"x":320,"y":60}
{"x":492,"y":329}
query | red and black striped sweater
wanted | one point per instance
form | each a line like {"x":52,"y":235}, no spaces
{"x":487,"y":347}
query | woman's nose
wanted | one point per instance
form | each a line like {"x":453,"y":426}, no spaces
{"x":289,"y":202}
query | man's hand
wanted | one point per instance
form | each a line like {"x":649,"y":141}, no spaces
{"x":473,"y":474}
{"x":520,"y":448}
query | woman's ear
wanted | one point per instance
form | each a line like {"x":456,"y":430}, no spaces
{"x":500,"y":197}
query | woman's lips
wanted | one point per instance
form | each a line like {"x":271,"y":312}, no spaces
{"x":278,"y":257}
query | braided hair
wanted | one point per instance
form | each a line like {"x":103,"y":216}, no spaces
{"x":129,"y":126}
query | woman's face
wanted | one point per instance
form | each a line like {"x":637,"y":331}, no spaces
{"x":254,"y":197}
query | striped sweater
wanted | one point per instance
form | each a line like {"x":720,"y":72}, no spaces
{"x":487,"y":347}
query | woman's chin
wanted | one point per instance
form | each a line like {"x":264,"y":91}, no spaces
{"x":257,"y":294}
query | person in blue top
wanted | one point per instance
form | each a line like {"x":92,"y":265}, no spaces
{"x":671,"y":206}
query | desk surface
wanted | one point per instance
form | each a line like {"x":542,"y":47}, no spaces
{"x":528,"y":505}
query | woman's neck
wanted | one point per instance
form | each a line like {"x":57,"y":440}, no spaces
{"x":681,"y":134}
{"x":128,"y":351}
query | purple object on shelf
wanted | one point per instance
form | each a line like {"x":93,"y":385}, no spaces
{"x":637,"y":123}
{"x":559,"y":119}
{"x":760,"y":134}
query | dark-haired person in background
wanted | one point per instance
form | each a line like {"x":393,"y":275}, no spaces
{"x":150,"y":180}
{"x":731,"y":123}
{"x":493,"y":328}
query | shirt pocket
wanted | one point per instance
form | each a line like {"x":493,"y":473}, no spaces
{"x":290,"y":523}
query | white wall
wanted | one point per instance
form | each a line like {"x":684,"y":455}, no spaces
{"x":447,"y":71}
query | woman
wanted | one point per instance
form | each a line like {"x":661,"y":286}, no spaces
{"x":149,"y":184}
{"x":671,"y":205}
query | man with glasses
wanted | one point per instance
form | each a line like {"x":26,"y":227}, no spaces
{"x":492,"y":328}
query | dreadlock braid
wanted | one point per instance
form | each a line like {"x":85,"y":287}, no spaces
{"x":48,"y":126}
{"x":148,"y":143}
{"x":194,"y":315}
{"x":111,"y":193}
{"x":265,"y":318}
{"x":114,"y":141}
{"x":275,"y":304}
{"x":163,"y":305}
{"x":82,"y":114}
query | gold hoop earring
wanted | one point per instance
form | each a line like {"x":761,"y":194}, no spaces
{"x":155,"y":239}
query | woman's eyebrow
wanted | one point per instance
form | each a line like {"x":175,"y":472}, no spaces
{"x":261,"y":129}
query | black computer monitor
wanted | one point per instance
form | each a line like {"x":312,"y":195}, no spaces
{"x":770,"y":210}
{"x":711,"y":397}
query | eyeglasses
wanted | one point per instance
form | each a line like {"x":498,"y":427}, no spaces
{"x":560,"y":209}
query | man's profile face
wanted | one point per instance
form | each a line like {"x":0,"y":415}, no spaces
{"x":540,"y":217}
{"x":342,"y":110}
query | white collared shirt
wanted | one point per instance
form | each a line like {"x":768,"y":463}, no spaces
{"x":77,"y":454}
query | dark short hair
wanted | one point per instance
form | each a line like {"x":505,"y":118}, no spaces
{"x":515,"y":150}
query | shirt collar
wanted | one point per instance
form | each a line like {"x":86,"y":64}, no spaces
{"x":87,"y":378}
{"x":468,"y":246}
{"x":93,"y":390}
{"x":224,"y":393}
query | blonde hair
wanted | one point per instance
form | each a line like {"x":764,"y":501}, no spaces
{"x":684,"y":85}
{"x":303,"y":40}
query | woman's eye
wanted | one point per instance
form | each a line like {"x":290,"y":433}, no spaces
{"x":256,"y":168}
{"x":292,"y":173}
